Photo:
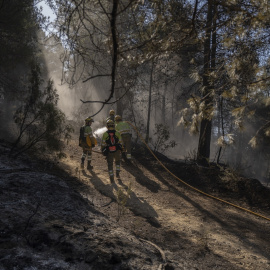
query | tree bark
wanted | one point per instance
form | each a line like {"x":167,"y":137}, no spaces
{"x":222,"y":128}
{"x":203,"y":153}
{"x":149,"y":104}
{"x":163,"y":110}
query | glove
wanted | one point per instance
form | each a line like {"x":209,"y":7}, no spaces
{"x":120,"y":147}
{"x":105,"y":151}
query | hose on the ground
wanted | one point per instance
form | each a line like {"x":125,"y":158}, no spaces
{"x":204,"y":193}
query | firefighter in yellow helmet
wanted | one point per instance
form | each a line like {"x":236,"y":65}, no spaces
{"x":111,"y":147}
{"x":124,"y":129}
{"x":87,"y":142}
{"x":111,"y":115}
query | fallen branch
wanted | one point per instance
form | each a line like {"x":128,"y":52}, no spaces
{"x":160,"y":251}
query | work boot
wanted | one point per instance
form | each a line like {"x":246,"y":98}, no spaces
{"x":112,"y":179}
{"x":117,"y":174}
{"x":89,"y":166}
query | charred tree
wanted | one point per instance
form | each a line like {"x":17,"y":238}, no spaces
{"x":203,"y":153}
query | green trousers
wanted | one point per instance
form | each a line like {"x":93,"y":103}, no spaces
{"x":115,"y":156}
{"x":87,"y":152}
{"x":126,"y":138}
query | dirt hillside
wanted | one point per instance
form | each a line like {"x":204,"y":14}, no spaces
{"x":56,"y":216}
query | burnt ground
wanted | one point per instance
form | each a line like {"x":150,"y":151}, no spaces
{"x":56,"y":216}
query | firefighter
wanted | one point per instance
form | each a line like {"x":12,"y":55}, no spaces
{"x":125,"y":131}
{"x":111,"y":147}
{"x":87,"y":142}
{"x":111,"y":115}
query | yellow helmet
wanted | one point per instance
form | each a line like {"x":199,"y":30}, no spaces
{"x":112,"y":112}
{"x":110,"y":124}
{"x":89,"y":119}
{"x":118,"y":118}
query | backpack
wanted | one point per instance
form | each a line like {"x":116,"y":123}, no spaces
{"x":112,"y":142}
{"x":81,"y":138}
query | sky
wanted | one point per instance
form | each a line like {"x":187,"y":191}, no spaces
{"x":46,"y":10}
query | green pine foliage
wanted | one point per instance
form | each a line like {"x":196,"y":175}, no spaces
{"x":40,"y":124}
{"x":17,"y":31}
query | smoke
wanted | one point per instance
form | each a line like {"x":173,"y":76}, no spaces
{"x":164,"y":111}
{"x":99,"y":132}
{"x":80,"y":100}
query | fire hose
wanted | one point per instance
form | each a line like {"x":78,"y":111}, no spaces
{"x":201,"y":192}
{"x":191,"y":187}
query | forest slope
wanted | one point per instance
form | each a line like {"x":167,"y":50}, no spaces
{"x":56,"y":216}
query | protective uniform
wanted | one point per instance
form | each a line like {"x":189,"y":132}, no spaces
{"x":124,"y":129}
{"x":111,"y":146}
{"x":87,"y":143}
{"x":111,"y":116}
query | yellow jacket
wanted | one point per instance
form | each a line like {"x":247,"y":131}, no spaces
{"x":123,"y":127}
